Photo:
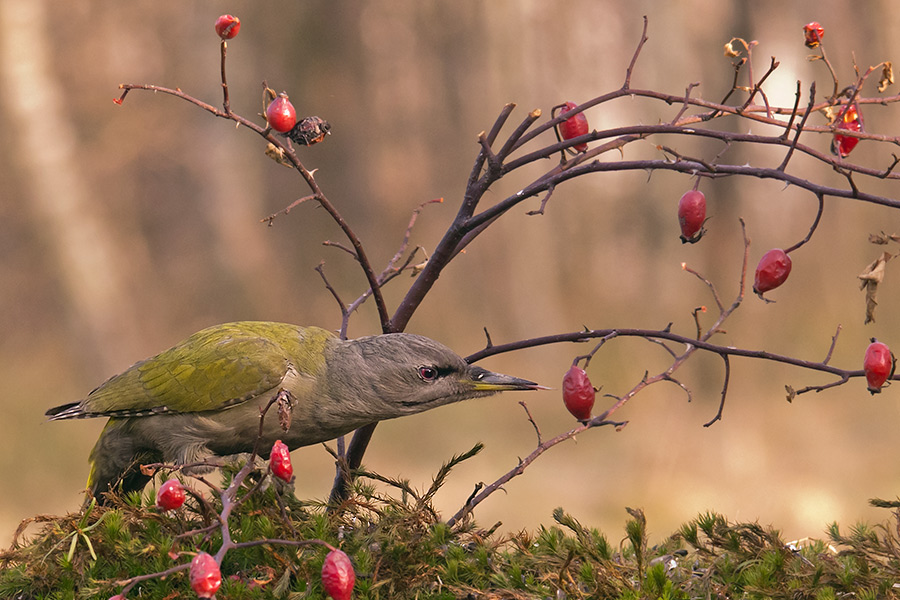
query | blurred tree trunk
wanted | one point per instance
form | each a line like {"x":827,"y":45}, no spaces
{"x":80,"y":243}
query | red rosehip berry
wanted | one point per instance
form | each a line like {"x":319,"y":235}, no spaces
{"x":206,"y":578}
{"x":578,"y":393}
{"x":691,"y":216}
{"x":170,"y":495}
{"x":338,"y":576}
{"x":879,"y":365}
{"x":813,"y":33}
{"x":227,"y":26}
{"x":574,"y":126}
{"x":280,"y":461}
{"x":773,"y":269}
{"x":281,"y":114}
{"x":850,"y":119}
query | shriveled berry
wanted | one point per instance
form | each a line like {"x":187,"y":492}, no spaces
{"x":850,"y":119}
{"x":281,"y":114}
{"x":309,"y":131}
{"x":206,"y":578}
{"x":879,"y":365}
{"x":170,"y":495}
{"x":578,"y":393}
{"x":691,"y":216}
{"x":813,"y":33}
{"x":280,"y":461}
{"x":773,"y":269}
{"x":338,"y":576}
{"x":227,"y":26}
{"x":574,"y":126}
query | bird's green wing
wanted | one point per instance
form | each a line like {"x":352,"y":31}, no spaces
{"x":215,"y":368}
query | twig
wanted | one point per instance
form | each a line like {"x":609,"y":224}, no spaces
{"x":630,"y":70}
{"x":790,"y":124}
{"x":812,"y":101}
{"x":726,"y":378}
{"x":813,"y":227}
{"x":270,"y":220}
{"x":226,"y":103}
{"x":478,"y":498}
{"x":833,"y":344}
{"x":537,"y":430}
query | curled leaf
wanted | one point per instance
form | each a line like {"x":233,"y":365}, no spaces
{"x":882,"y":238}
{"x":887,"y":76}
{"x":869,"y":280}
{"x":277,"y":154}
{"x":791,"y":393}
{"x":730,"y":52}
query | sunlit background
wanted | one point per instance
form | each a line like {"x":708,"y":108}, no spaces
{"x":123,"y":229}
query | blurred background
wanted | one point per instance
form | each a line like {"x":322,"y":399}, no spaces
{"x":123,"y":229}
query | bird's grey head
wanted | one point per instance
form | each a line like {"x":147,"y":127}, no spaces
{"x":399,"y":374}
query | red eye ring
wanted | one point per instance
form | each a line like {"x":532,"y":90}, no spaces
{"x":428,"y":373}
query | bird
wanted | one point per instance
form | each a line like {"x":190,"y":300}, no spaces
{"x":203,"y":397}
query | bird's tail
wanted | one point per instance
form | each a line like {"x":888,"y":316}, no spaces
{"x":72,"y":410}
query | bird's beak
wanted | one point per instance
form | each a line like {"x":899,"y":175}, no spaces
{"x":488,"y":381}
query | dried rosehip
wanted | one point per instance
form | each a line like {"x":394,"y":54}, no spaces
{"x":813,"y":32}
{"x":691,"y":216}
{"x":879,"y":365}
{"x":170,"y":495}
{"x":227,"y":26}
{"x":206,"y":578}
{"x":773,"y":269}
{"x":578,"y":393}
{"x":574,"y":126}
{"x":280,"y":461}
{"x":338,"y":576}
{"x":309,"y":131}
{"x":850,"y":119}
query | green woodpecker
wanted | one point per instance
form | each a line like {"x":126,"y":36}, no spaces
{"x":203,"y":397}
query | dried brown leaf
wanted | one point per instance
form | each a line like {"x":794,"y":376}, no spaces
{"x":887,"y":76}
{"x":277,"y":154}
{"x":869,"y":280}
{"x":883,"y":238}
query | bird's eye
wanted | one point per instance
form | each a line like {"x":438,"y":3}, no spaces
{"x":428,"y":373}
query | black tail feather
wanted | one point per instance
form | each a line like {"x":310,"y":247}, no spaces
{"x":72,"y":410}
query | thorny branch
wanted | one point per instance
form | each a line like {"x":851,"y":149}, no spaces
{"x":496,"y":160}
{"x":230,"y":500}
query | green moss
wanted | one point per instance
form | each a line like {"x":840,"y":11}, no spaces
{"x":401,"y":549}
